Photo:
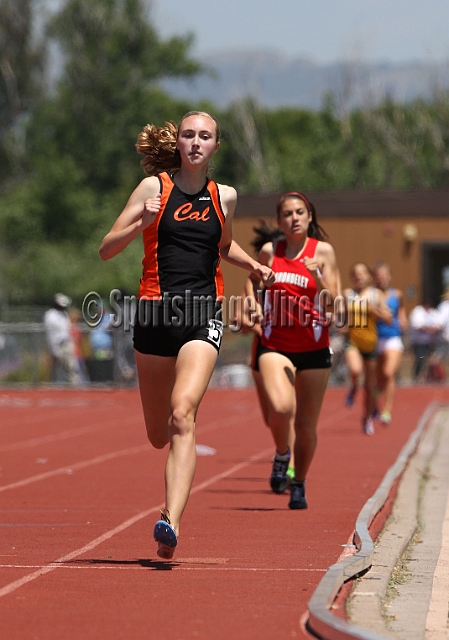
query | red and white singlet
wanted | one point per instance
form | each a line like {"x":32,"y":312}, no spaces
{"x":293,"y":320}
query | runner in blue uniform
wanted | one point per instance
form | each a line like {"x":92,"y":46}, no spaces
{"x":389,"y":345}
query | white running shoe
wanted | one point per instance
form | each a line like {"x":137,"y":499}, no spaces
{"x":368,"y":426}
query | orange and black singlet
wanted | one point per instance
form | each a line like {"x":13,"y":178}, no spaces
{"x":182,"y":244}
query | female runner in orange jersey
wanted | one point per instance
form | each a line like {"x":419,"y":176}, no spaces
{"x":186,"y":222}
{"x":365,"y":305}
{"x":294,"y":358}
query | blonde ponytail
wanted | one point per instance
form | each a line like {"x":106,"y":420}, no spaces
{"x":158,"y":147}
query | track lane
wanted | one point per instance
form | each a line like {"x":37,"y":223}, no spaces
{"x":245,"y":566}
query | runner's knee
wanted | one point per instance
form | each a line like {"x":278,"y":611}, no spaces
{"x":182,"y":419}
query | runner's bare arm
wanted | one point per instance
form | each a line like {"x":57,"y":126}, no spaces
{"x":381,"y":309}
{"x":402,"y":315}
{"x":139,"y":212}
{"x":251,"y":306}
{"x":323,"y":267}
{"x":229,"y":249}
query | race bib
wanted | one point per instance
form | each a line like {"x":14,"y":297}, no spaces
{"x":215,"y":332}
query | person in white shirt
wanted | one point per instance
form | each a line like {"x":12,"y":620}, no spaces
{"x":425,"y":329}
{"x":60,"y":344}
{"x":443,"y":311}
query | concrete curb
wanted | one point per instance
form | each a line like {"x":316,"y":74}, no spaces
{"x":321,"y":621}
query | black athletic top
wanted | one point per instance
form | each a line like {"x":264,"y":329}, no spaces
{"x":182,"y":244}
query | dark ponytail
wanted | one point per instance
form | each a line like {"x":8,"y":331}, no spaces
{"x":315,"y":230}
{"x":265,"y":234}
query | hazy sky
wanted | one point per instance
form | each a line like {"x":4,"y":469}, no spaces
{"x":325,"y":30}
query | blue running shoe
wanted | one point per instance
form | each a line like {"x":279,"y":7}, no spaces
{"x":279,"y":479}
{"x":165,"y":536}
{"x":297,"y":496}
{"x":349,"y":400}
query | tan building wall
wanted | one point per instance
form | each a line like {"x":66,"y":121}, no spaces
{"x":361,"y":235}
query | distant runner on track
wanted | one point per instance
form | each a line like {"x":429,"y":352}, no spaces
{"x":186,"y":222}
{"x":390,"y":347}
{"x":366,"y":305}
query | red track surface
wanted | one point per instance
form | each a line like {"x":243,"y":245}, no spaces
{"x":79,"y":494}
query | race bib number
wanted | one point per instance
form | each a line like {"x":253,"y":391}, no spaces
{"x":215,"y":332}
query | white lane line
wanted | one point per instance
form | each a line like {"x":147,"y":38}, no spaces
{"x":14,"y":402}
{"x":177,"y":565}
{"x":74,"y":433}
{"x":64,"y":435}
{"x":68,"y":469}
{"x":332,"y":418}
{"x":44,"y":569}
{"x":217,"y":424}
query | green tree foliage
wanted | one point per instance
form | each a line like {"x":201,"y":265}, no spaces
{"x":309,"y":149}
{"x":22,"y":58}
{"x":246,"y":160}
{"x":113,"y":60}
{"x":408,"y":144}
{"x":67,"y":150}
{"x":388,"y":146}
{"x":80,"y":157}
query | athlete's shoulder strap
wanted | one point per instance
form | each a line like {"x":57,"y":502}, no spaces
{"x":166,"y":186}
{"x":214,"y":191}
{"x":373,"y":295}
{"x":309,"y":251}
{"x":166,"y":181}
{"x":279,"y":247}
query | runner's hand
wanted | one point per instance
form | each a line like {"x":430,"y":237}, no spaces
{"x":312,"y":265}
{"x":151,"y":208}
{"x":266,"y":274}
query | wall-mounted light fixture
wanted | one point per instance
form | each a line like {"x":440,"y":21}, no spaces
{"x":410,"y":232}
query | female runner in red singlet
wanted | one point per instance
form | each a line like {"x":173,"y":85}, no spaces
{"x":186,"y":222}
{"x":294,"y":357}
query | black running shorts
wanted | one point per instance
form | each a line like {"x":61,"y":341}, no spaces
{"x":161,"y":328}
{"x":320,"y":359}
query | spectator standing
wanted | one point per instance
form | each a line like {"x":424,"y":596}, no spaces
{"x":443,"y":311}
{"x":101,"y":365}
{"x":100,"y":337}
{"x":436,"y":371}
{"x":64,"y":367}
{"x":125,"y":369}
{"x":425,"y":331}
{"x":78,"y":337}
